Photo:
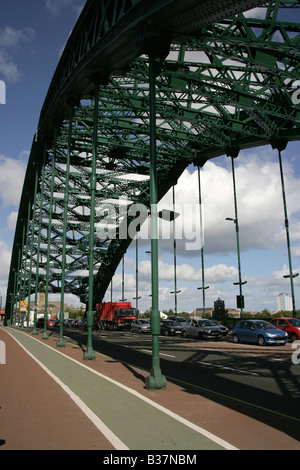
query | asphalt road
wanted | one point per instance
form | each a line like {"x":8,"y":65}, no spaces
{"x":261,"y":382}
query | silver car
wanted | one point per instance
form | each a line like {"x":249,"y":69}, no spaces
{"x":202,"y":329}
{"x":222,"y":327}
{"x":141,"y":326}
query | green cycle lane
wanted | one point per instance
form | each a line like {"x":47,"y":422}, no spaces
{"x":137,"y":422}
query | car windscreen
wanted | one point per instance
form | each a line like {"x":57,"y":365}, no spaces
{"x":206,"y":323}
{"x":263,"y":325}
{"x":125,"y":312}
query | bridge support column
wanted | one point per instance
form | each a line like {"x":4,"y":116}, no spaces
{"x":156,"y":380}
{"x":233,"y":153}
{"x":203,"y":287}
{"x":34,"y":331}
{"x":22,"y":282}
{"x":39,"y":234}
{"x":61,"y":342}
{"x":280,"y":145}
{"x":25,"y":263}
{"x":89,"y":354}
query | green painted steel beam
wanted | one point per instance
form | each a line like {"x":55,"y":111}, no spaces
{"x":224,"y":79}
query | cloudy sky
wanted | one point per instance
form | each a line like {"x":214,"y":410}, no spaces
{"x":32,"y":36}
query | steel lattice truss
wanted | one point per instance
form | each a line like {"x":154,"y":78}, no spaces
{"x":225,"y":81}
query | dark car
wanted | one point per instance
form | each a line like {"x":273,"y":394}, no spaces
{"x":170,"y":327}
{"x":258,"y":331}
{"x":40,"y":322}
{"x":202,"y":329}
{"x":290,"y":325}
{"x":222,"y":327}
{"x":180,"y":320}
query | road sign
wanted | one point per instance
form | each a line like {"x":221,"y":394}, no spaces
{"x":23,"y":306}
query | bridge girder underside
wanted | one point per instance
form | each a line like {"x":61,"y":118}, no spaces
{"x":222,"y":86}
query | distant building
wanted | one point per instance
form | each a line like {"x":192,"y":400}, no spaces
{"x":284,"y":302}
{"x":53,"y":309}
{"x":233,"y":312}
{"x":199,"y":312}
{"x":218,"y":311}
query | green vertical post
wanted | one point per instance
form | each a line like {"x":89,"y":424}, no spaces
{"x":34,"y":332}
{"x":281,"y":145}
{"x":22,"y":277}
{"x":174,"y":255}
{"x":26,"y":256}
{"x":137,"y":274}
{"x":89,"y":354}
{"x":31,"y":252}
{"x":61,"y":343}
{"x":156,"y":380}
{"x":45,"y":334}
{"x":39,"y":235}
{"x":236,"y":221}
{"x":14,"y":300}
{"x":18,"y":282}
{"x":203,"y":287}
{"x":123,"y":285}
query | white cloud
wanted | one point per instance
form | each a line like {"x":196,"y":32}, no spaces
{"x":259,"y":13}
{"x":11,"y":179}
{"x":5,"y":255}
{"x":259,"y":202}
{"x":8,"y":70}
{"x":221,"y":273}
{"x":56,"y":6}
{"x":12,"y":220}
{"x":10,"y":40}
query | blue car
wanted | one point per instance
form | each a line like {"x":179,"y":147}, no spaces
{"x":258,"y":331}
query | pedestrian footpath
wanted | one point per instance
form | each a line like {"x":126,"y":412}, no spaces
{"x":52,"y":399}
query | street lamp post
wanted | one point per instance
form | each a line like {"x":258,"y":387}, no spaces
{"x":175,"y":291}
{"x":90,"y":354}
{"x":280,"y":144}
{"x":123,"y":281}
{"x":137,"y":297}
{"x":239,"y":283}
{"x":203,"y":288}
{"x":156,"y":380}
{"x":61,"y":342}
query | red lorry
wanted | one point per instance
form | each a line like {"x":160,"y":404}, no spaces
{"x":114,"y":315}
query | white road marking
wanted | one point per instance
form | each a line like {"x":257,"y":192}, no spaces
{"x":226,"y":368}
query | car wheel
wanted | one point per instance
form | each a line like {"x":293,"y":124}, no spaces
{"x":294,"y":337}
{"x":236,"y":339}
{"x":140,"y":331}
{"x":261,"y":341}
{"x":184,"y":334}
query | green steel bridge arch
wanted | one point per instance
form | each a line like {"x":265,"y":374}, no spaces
{"x":143,"y":89}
